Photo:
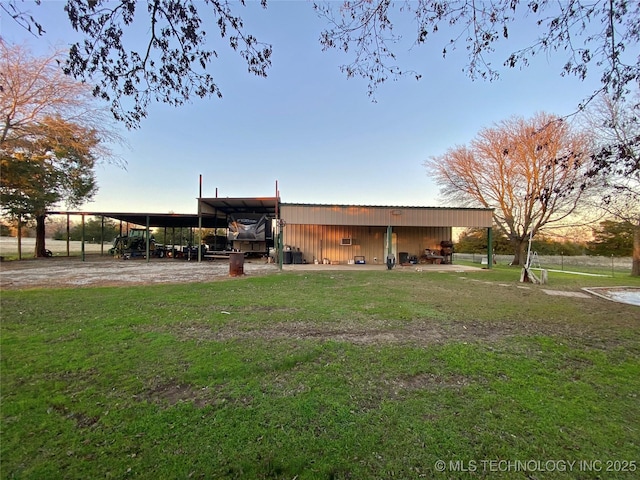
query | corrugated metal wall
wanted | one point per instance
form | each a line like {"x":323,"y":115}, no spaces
{"x":323,"y":241}
{"x":303,"y":214}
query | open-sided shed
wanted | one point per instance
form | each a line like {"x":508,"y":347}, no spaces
{"x":325,"y":232}
{"x":358,"y":233}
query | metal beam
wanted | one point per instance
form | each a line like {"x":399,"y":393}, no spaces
{"x":148,"y":241}
{"x":489,"y":247}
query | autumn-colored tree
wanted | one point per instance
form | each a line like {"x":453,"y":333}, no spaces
{"x":52,"y":135}
{"x":34,"y":88}
{"x":529,"y":171}
{"x":172,"y":65}
{"x":616,"y":162}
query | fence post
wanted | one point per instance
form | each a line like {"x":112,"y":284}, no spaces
{"x":612,"y":273}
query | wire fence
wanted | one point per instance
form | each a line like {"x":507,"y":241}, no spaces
{"x":9,"y":247}
{"x":579,"y":263}
{"x":582,"y":263}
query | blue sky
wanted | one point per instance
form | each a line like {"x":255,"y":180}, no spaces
{"x":307,"y":126}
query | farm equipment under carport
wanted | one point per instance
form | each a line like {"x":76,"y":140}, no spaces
{"x":134,"y":244}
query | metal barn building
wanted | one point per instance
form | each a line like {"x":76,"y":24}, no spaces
{"x":322,"y":233}
{"x":352,"y":233}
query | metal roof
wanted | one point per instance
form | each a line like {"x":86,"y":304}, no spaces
{"x":233,"y":206}
{"x":313,"y":214}
{"x":214,"y":212}
{"x":403,"y":207}
{"x":156,"y":220}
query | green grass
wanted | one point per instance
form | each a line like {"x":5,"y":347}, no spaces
{"x":329,"y":375}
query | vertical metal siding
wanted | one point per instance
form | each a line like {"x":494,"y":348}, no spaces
{"x":316,"y":230}
{"x":317,"y":242}
{"x":382,"y":216}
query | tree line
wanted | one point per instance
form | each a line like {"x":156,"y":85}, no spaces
{"x":609,"y":238}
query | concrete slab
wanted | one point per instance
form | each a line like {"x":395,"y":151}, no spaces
{"x":563,"y":293}
{"x":379,"y":267}
{"x":630,"y":295}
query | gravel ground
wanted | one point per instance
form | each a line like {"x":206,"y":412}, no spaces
{"x":107,"y":271}
{"x":103,"y":271}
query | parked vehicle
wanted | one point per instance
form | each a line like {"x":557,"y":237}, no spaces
{"x":134,"y":244}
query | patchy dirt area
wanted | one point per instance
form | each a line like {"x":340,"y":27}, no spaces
{"x":371,"y":333}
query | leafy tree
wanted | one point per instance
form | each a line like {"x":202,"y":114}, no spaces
{"x":600,"y":34}
{"x":180,"y":235}
{"x":52,"y":136}
{"x":471,"y":241}
{"x":528,"y":171}
{"x":612,"y":238}
{"x":5,"y":230}
{"x":94,"y":230}
{"x":547,"y":246}
{"x":54,"y":163}
{"x":474,"y":240}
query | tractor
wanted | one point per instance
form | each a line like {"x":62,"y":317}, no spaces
{"x":134,"y":244}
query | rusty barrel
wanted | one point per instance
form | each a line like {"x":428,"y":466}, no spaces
{"x":236,"y":264}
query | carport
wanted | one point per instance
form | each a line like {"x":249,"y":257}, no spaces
{"x":213,"y":213}
{"x":146,"y":220}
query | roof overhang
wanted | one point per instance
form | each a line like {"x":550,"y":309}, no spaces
{"x":223,"y":207}
{"x":154,"y":220}
{"x":214,"y":213}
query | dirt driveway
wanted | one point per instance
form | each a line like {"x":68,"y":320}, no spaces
{"x":106,"y":271}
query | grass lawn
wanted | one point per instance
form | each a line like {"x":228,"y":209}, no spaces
{"x":322,"y":375}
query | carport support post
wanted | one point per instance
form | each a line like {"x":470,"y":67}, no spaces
{"x":200,"y":222}
{"x":148,"y":240}
{"x":102,"y":235}
{"x":19,"y":236}
{"x":164,"y":240}
{"x":489,"y":247}
{"x":82,"y":240}
{"x":389,"y":236}
{"x":173,"y":243}
{"x":199,"y":239}
{"x":280,"y":245}
{"x":68,"y":235}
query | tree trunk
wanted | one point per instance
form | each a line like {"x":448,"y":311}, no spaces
{"x":635,"y":265}
{"x":19,"y":237}
{"x":519,"y":251}
{"x":40,"y":231}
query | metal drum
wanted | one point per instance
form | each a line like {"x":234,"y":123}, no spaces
{"x":236,"y":264}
